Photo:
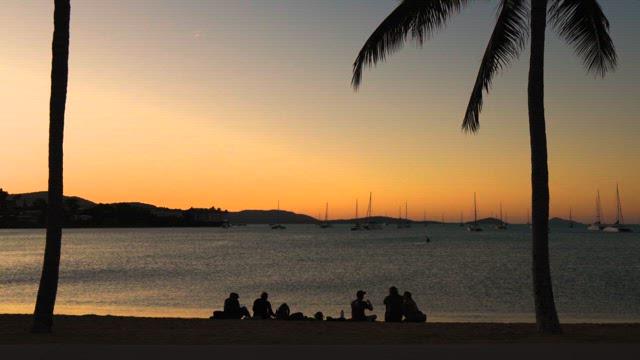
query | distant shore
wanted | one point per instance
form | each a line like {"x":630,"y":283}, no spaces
{"x":172,"y":331}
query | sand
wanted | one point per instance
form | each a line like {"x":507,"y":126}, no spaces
{"x":115,"y":330}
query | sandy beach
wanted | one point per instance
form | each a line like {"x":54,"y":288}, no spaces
{"x":114,"y":330}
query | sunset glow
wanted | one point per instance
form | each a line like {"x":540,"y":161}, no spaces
{"x":239,"y":104}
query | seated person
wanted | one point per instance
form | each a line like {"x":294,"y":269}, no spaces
{"x":411,"y":311}
{"x":358,"y":307}
{"x":283,"y":312}
{"x":393,"y":306}
{"x":232,"y":309}
{"x":262,"y":307}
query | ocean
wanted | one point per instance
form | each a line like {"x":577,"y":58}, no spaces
{"x":458,"y":276}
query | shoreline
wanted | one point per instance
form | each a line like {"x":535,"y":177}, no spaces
{"x":121,"y":330}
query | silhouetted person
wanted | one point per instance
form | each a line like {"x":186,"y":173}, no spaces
{"x":283,"y":312}
{"x":262,"y":307}
{"x":393,"y":306}
{"x":358,"y":307}
{"x":232,"y":309}
{"x":411,"y":311}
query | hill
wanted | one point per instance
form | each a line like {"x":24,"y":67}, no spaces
{"x":556,"y":221}
{"x":30,"y":199}
{"x":268,"y":217}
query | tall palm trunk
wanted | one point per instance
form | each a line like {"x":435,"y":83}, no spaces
{"x":546,"y":315}
{"x":43,"y":314}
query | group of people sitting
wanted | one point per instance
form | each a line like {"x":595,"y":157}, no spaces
{"x":398,"y":308}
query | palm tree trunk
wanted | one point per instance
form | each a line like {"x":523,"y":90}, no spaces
{"x":45,"y":302}
{"x":546,"y":315}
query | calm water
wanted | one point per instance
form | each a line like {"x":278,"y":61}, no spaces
{"x":458,"y":276}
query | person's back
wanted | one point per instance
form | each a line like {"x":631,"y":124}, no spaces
{"x":232,"y":308}
{"x":393,"y":306}
{"x":262,"y":307}
{"x":283,"y":312}
{"x":358,"y":307}
{"x":410,"y":309}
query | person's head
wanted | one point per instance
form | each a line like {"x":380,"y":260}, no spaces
{"x":234,"y":296}
{"x":393,"y":290}
{"x":360,"y":294}
{"x":284,"y":308}
{"x":407,"y":295}
{"x":264,"y":296}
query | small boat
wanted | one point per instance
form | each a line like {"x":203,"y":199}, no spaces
{"x":356,"y":226}
{"x":403,"y":223}
{"x":501,"y":225}
{"x":597,"y":225}
{"x":618,"y":226}
{"x":371,"y":225}
{"x":570,"y":219}
{"x":277,"y":225}
{"x":326,"y":224}
{"x":474,"y":227}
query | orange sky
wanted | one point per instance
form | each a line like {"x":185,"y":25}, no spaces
{"x":183,"y":110}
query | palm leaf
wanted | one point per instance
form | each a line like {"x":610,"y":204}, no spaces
{"x":583,"y":24}
{"x":418,"y":18}
{"x":506,"y":42}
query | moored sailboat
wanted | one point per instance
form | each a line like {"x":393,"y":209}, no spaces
{"x":474,"y":227}
{"x":356,"y":226}
{"x":277,"y":225}
{"x":501,"y":225}
{"x":618,"y":226}
{"x":597,"y":225}
{"x":326,"y":224}
{"x":371,"y":225}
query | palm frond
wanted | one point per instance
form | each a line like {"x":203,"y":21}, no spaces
{"x":506,"y":42}
{"x":417,"y":18}
{"x":583,"y":24}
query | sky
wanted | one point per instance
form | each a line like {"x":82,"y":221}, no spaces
{"x":241,"y":103}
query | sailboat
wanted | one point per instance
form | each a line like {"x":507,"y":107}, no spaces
{"x":570,"y":219}
{"x":277,"y":225}
{"x":618,"y":226}
{"x":371,"y":225}
{"x":461,"y":219}
{"x":357,"y":225}
{"x":326,"y":223}
{"x":597,"y":225}
{"x":424,"y":218}
{"x":404,"y":223}
{"x":502,"y":225}
{"x":474,"y":227}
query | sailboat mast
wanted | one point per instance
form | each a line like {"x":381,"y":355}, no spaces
{"x":475,"y":210}
{"x":406,"y":210}
{"x":326,"y":213}
{"x":598,"y":209}
{"x":356,"y":209}
{"x":501,"y":219}
{"x":620,"y":219}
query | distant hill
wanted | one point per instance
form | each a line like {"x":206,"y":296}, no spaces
{"x":556,"y":221}
{"x":28,"y":199}
{"x":268,"y":217}
{"x":28,"y":211}
{"x":488,"y":221}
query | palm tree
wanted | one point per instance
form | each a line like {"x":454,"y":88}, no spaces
{"x":580,"y":22}
{"x":45,"y":302}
